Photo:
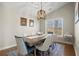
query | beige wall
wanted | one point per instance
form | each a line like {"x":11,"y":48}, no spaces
{"x":1,"y":21}
{"x":67,"y":14}
{"x":7,"y":27}
{"x":26,"y":30}
{"x":42,"y":26}
{"x":10,"y":26}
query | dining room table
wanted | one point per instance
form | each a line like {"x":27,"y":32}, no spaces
{"x":33,"y":40}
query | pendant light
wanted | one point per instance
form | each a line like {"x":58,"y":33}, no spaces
{"x":41,"y":14}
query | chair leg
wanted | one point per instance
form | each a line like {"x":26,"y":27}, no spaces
{"x":45,"y":53}
{"x":35,"y":51}
{"x":48,"y":53}
{"x":41,"y":53}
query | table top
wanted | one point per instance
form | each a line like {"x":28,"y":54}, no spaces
{"x":35,"y":36}
{"x":34,"y":39}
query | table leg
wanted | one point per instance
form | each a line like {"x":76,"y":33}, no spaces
{"x":35,"y":51}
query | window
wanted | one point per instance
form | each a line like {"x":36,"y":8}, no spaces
{"x":55,"y":26}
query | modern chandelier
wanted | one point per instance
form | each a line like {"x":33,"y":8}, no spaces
{"x":41,"y":14}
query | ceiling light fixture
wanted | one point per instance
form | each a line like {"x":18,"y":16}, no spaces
{"x":41,"y":14}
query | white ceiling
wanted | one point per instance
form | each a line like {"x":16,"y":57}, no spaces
{"x":30,"y":8}
{"x":47,"y":6}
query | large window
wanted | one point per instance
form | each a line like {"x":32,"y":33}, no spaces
{"x":55,"y":26}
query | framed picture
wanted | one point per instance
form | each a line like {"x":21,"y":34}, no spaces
{"x":23,"y":21}
{"x":31,"y":23}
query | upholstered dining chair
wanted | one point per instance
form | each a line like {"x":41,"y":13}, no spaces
{"x":45,"y":46}
{"x":22,"y":48}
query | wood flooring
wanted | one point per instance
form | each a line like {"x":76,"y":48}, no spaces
{"x":68,"y":50}
{"x":4,"y":52}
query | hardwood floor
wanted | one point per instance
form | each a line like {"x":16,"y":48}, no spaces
{"x":68,"y":50}
{"x":4,"y":52}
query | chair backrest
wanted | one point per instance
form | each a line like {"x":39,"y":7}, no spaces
{"x":47,"y":43}
{"x":54,"y":37}
{"x":22,"y":49}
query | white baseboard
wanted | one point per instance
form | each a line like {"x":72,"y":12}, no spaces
{"x":7,"y":47}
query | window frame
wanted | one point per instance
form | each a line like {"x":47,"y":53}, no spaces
{"x":53,"y":25}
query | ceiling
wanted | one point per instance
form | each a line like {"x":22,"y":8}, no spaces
{"x":31,"y":8}
{"x":47,"y":6}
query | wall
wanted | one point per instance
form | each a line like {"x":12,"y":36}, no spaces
{"x":42,"y":26}
{"x":26,"y":30}
{"x":77,"y":39}
{"x":28,"y":13}
{"x":67,"y":13}
{"x":1,"y":21}
{"x":76,"y":46}
{"x":10,"y":26}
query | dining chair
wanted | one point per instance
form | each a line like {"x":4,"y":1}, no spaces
{"x":22,"y":48}
{"x":45,"y":46}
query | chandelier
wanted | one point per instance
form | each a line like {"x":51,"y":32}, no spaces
{"x":41,"y":14}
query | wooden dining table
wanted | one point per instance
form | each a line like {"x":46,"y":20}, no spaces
{"x":35,"y":39}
